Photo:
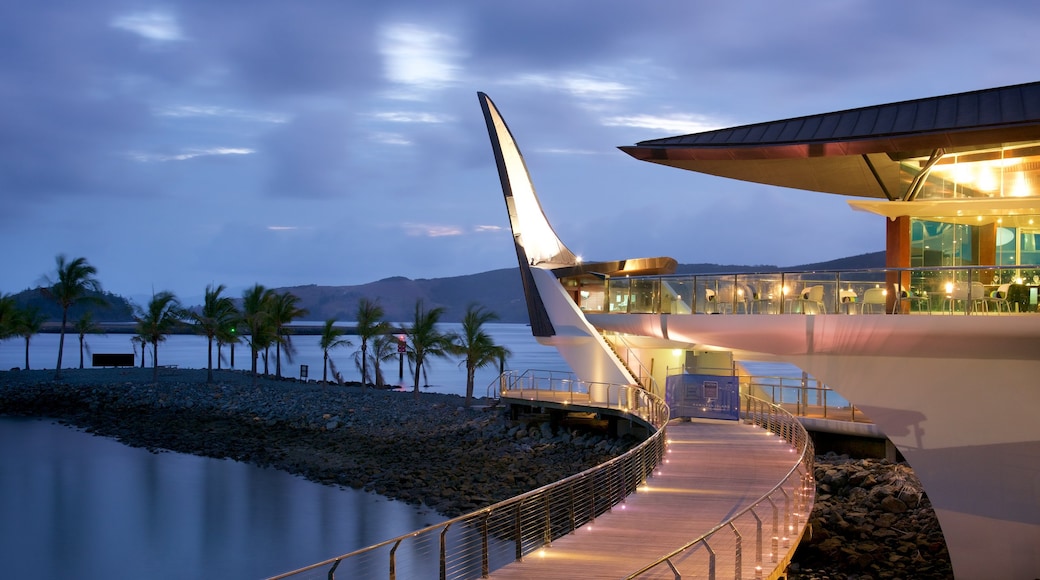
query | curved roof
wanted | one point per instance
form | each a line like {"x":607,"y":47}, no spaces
{"x":856,"y":151}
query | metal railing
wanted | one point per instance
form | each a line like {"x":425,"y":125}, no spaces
{"x":644,"y":375}
{"x":807,"y":397}
{"x":472,"y":545}
{"x":951,"y":289}
{"x":780,"y":514}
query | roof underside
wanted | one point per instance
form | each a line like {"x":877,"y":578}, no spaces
{"x":855,"y":152}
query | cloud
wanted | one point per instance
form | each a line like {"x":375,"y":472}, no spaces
{"x":579,"y":85}
{"x":672,"y":124}
{"x":431,"y":231}
{"x":419,"y":57}
{"x":156,"y":26}
{"x":211,"y":111}
{"x":412,"y":117}
{"x":191,"y":154}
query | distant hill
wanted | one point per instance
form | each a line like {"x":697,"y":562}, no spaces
{"x":112,"y":307}
{"x":497,"y":290}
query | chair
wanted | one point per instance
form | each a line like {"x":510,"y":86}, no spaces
{"x":810,"y":301}
{"x":973,"y":296}
{"x":902,"y":294}
{"x":873,"y":300}
{"x":998,"y":298}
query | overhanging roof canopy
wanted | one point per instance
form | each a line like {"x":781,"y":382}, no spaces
{"x":858,"y":151}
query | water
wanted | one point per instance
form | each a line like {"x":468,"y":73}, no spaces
{"x":79,"y":506}
{"x":189,"y":351}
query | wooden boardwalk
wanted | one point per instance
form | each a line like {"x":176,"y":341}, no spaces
{"x":712,"y":470}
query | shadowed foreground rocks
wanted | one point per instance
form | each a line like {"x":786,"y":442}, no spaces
{"x":871,"y":519}
{"x":431,"y":452}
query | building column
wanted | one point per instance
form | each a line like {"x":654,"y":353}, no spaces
{"x":897,"y":255}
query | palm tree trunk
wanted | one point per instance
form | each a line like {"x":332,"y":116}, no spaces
{"x":325,"y":369}
{"x":364,"y":362}
{"x":256,"y":353}
{"x":209,"y":364}
{"x":27,"y":353}
{"x":81,"y":351}
{"x":278,"y":360}
{"x":471,"y":371}
{"x":415,"y":389}
{"x":61,"y":341}
{"x":155,"y":362}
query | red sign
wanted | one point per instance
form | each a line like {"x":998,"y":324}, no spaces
{"x":400,"y":347}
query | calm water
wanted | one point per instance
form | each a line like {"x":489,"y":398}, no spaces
{"x":78,"y":506}
{"x":85,"y":507}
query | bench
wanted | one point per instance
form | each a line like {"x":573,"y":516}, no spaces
{"x":112,"y":360}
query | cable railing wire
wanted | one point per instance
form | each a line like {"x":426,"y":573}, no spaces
{"x":472,"y":545}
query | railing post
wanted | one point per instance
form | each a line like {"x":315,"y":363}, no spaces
{"x":485,"y":564}
{"x":738,"y":566}
{"x":393,"y":560}
{"x":776,"y":532}
{"x":444,"y":553}
{"x":570,"y":506}
{"x":518,"y":529}
{"x":711,"y":559}
{"x":758,"y":543}
{"x":547,"y":534}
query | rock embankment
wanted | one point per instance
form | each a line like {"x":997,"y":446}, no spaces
{"x":871,"y":519}
{"x":432,"y":451}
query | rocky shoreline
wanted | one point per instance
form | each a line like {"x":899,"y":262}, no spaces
{"x":871,"y":517}
{"x":871,"y":520}
{"x":431,"y":452}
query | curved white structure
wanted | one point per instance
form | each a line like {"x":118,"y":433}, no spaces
{"x":958,"y":395}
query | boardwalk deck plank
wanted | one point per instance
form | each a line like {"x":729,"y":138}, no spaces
{"x":713,"y":470}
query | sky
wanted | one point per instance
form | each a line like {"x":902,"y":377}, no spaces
{"x":336,"y":142}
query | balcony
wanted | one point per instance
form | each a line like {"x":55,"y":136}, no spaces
{"x":949,"y":290}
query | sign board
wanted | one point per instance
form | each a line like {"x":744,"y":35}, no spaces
{"x":703,"y":396}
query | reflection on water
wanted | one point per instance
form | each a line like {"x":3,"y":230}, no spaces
{"x":85,"y":507}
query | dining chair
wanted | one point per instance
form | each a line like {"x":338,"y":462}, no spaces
{"x":873,"y":301}
{"x":999,"y":298}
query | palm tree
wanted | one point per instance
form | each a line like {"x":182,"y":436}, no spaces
{"x":163,"y":313}
{"x":27,"y":323}
{"x":139,"y":339}
{"x":384,"y":348}
{"x":370,"y":324}
{"x":7,"y":313}
{"x":284,"y":309}
{"x":475,"y":345}
{"x":75,"y":280}
{"x":85,"y":325}
{"x":218,"y":313}
{"x":425,"y":341}
{"x":256,"y":319}
{"x":331,"y":337}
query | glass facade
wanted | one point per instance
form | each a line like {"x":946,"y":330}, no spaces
{"x":1012,"y":171}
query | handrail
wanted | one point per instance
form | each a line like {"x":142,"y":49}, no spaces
{"x":644,"y":372}
{"x":776,"y":420}
{"x":473,"y":544}
{"x":907,"y":289}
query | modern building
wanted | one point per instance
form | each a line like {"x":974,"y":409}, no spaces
{"x":941,"y":349}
